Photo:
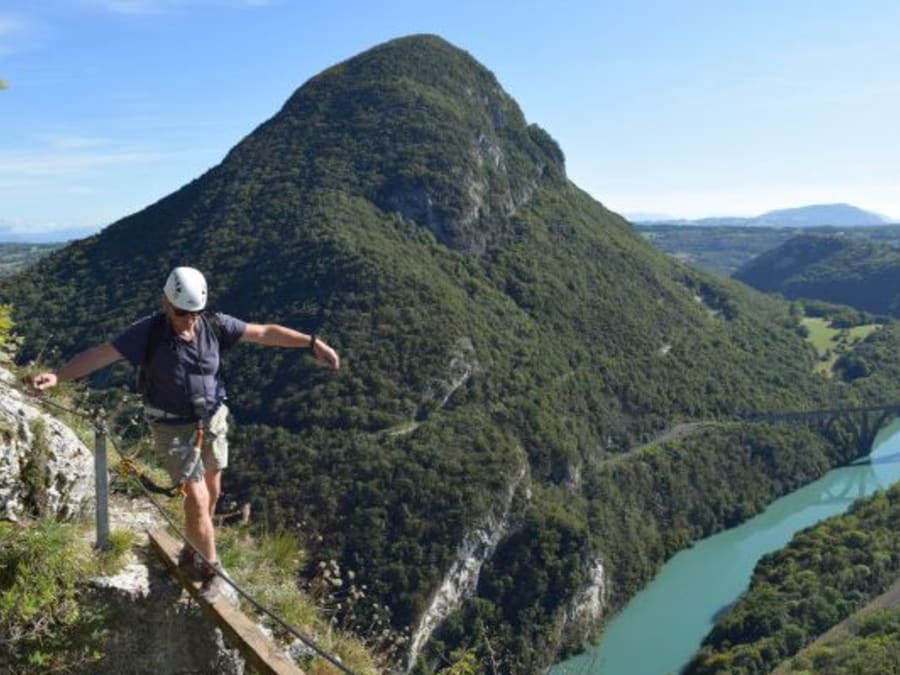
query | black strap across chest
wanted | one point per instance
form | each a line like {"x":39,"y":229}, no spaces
{"x":157,"y":335}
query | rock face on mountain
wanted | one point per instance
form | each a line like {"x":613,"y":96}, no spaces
{"x":45,"y":470}
{"x":152,"y":624}
{"x":487,"y":310}
{"x":397,"y":104}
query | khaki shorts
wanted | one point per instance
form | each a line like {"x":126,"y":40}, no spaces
{"x":174,"y":445}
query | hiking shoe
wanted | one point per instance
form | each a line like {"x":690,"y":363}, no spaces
{"x":191,"y":565}
{"x":215,"y":587}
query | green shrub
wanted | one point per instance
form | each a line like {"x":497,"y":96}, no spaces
{"x":42,"y":624}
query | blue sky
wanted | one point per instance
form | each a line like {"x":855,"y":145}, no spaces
{"x":688,"y":109}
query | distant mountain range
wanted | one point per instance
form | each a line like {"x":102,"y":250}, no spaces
{"x":816,"y":215}
{"x":14,"y":235}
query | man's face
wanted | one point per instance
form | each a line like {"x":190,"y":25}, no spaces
{"x":181,"y":319}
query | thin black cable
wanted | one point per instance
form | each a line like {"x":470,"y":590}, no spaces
{"x":53,"y":404}
{"x":99,"y":425}
{"x":308,"y":641}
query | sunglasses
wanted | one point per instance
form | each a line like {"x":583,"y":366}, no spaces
{"x":183,"y":312}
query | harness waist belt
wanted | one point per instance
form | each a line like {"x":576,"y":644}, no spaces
{"x":158,"y":415}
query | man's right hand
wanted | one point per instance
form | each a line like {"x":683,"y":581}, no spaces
{"x":44,"y":381}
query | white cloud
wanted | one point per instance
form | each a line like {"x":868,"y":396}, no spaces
{"x":81,"y":190}
{"x":12,"y":31}
{"x":65,"y":143}
{"x":57,"y":162}
{"x":152,"y":7}
{"x":169,"y":6}
{"x":132,"y":6}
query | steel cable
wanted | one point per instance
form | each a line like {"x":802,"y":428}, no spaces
{"x":99,"y":425}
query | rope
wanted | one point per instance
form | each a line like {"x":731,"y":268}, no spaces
{"x":128,"y":467}
{"x":335,"y":661}
{"x":127,"y":463}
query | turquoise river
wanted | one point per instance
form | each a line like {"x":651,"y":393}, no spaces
{"x":660,"y":628}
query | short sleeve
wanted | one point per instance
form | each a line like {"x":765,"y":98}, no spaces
{"x":232,"y":329}
{"x":132,"y":342}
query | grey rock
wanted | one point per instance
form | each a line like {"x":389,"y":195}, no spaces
{"x":45,"y":470}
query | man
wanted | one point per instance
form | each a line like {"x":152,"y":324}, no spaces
{"x":184,"y":395}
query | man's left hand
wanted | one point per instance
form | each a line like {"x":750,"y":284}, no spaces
{"x":323,"y":352}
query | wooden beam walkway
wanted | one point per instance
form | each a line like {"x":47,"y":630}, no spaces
{"x":240,"y":632}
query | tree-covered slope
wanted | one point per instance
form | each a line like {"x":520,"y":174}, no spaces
{"x":500,"y":329}
{"x":827,"y":572}
{"x":840,"y":269}
{"x":823,"y":576}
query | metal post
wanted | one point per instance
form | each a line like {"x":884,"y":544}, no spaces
{"x":101,"y":487}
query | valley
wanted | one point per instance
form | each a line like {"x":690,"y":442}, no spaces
{"x":508,"y":341}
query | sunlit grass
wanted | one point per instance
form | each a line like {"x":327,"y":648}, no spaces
{"x":831,"y":343}
{"x":268,"y":569}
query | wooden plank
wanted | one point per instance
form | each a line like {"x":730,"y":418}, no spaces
{"x":240,"y":632}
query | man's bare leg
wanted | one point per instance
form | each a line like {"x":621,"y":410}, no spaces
{"x":213,"y":479}
{"x":197,"y":521}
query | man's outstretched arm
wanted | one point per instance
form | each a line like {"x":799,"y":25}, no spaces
{"x":273,"y":335}
{"x":80,"y":365}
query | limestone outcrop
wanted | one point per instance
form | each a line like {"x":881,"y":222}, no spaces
{"x":45,"y":470}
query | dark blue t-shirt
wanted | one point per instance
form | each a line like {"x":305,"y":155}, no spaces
{"x":178,"y":370}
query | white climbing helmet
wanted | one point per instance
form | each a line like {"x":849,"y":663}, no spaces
{"x":186,"y":289}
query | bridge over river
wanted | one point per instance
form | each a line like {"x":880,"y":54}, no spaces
{"x":861,"y":424}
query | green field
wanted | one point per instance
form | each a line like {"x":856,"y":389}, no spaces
{"x":16,"y":257}
{"x":831,"y":342}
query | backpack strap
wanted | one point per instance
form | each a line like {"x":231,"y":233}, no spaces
{"x":158,"y":329}
{"x":154,"y":340}
{"x":214,"y":323}
{"x":154,"y":337}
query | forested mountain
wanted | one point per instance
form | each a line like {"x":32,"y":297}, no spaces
{"x":721,"y":250}
{"x":824,"y":575}
{"x":725,"y":249}
{"x":840,"y":269}
{"x":821,"y":578}
{"x":505,"y":338}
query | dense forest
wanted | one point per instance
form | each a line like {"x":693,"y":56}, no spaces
{"x":868,"y":644}
{"x":507,"y":341}
{"x":821,"y":578}
{"x":841,"y":269}
{"x":720,"y":250}
{"x":723,"y":249}
{"x":827,"y":572}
